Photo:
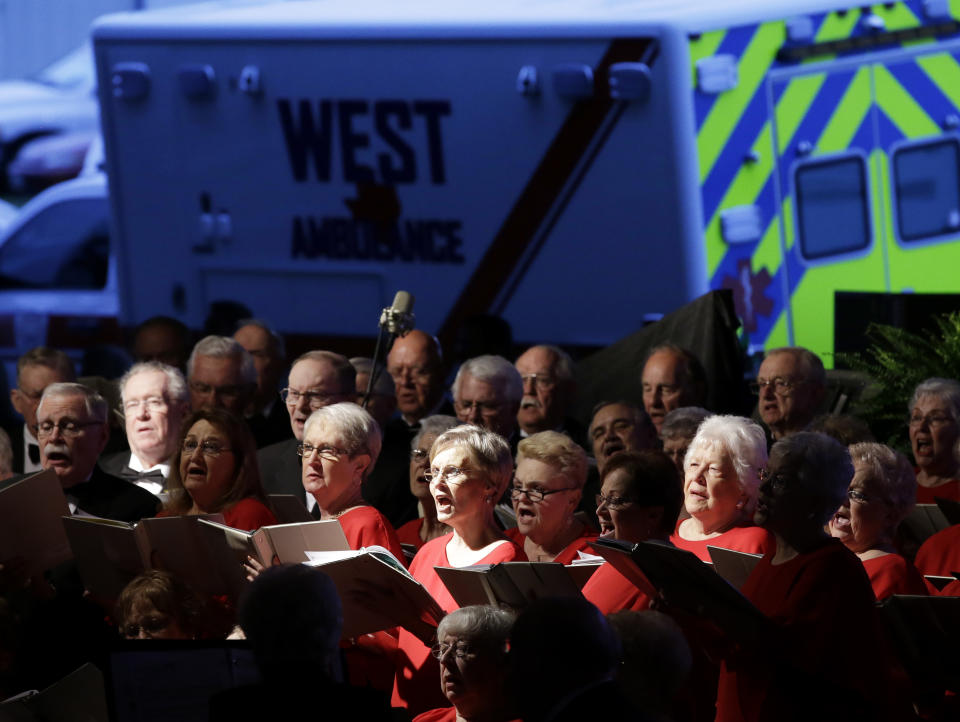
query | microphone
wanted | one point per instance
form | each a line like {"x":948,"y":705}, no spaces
{"x":398,"y":319}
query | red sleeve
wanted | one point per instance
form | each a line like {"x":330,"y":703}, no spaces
{"x":940,"y":554}
{"x":365,"y":526}
{"x":929,"y":494}
{"x":892,"y":574}
{"x":581,"y":543}
{"x":249,"y":514}
{"x":409,"y":533}
{"x":609,"y":591}
{"x":951,"y":590}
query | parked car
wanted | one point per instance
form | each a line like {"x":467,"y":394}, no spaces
{"x":61,"y":98}
{"x":47,"y":160}
{"x":58,"y":279}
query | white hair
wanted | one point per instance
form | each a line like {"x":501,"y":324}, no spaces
{"x":742,"y":440}
{"x":223,"y":347}
{"x":356,"y":428}
{"x":176,"y":384}
{"x":493,"y":370}
{"x":95,"y":404}
{"x":489,"y":450}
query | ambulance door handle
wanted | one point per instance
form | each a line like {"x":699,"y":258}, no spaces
{"x":573,"y":81}
{"x":629,"y":81}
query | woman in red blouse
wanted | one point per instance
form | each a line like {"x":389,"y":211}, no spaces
{"x":934,"y":432}
{"x":470,"y":468}
{"x":881,"y":494}
{"x":547,"y":486}
{"x":217,"y":472}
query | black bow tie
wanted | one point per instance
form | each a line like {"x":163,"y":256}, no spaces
{"x":33,"y":451}
{"x":132,"y":475}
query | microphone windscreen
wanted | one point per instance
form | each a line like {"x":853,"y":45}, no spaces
{"x":403,"y":302}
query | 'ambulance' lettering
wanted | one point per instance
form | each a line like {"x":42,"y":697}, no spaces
{"x":341,"y":238}
{"x":308,"y":130}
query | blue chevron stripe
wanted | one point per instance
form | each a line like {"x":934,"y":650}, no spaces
{"x":816,"y":117}
{"x":923,"y":90}
{"x":888,"y":131}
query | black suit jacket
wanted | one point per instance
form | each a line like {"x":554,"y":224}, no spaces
{"x":272,"y":428}
{"x":387,"y":488}
{"x":280,"y":468}
{"x":107,"y":496}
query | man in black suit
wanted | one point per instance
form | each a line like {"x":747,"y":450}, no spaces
{"x":155,"y":403}
{"x":266,"y":416}
{"x":72,"y":429}
{"x":36,"y":369}
{"x":317,"y":379}
{"x":549,"y":388}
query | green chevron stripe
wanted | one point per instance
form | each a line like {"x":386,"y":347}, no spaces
{"x":728,"y":109}
{"x":744,"y":189}
{"x":848,"y":115}
{"x":837,"y":27}
{"x":900,"y":106}
{"x":943,"y":71}
{"x":793,"y":106}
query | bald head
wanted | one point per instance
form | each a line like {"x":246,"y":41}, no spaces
{"x":416,"y":366}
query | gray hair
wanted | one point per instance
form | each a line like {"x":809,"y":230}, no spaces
{"x":279,"y":345}
{"x":493,"y":370}
{"x":892,"y":472}
{"x":811,"y":364}
{"x":51,"y":358}
{"x":562,"y":363}
{"x":744,"y":442}
{"x":6,"y":455}
{"x":94,"y":403}
{"x":345,"y":372}
{"x":479,"y":623}
{"x":822,"y":466}
{"x":384,"y":385}
{"x":357,"y":429}
{"x":947,"y":390}
{"x":433,"y":426}
{"x":683,"y":422}
{"x":557,"y":450}
{"x":490,"y":451}
{"x":223,"y":347}
{"x":176,"y":384}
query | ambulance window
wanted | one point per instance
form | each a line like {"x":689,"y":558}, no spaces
{"x":66,"y":246}
{"x":833,"y":214}
{"x":927,"y":189}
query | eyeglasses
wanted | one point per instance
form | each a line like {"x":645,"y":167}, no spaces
{"x":934,"y":421}
{"x":447,"y":474}
{"x":858,"y":496}
{"x":613,"y":502}
{"x":781,"y":386}
{"x":228,"y":391}
{"x":541,"y":381}
{"x":150,"y":625}
{"x":419,"y":456}
{"x":536,"y":495}
{"x":208,"y":448}
{"x":330,"y":453}
{"x":315,"y":399}
{"x":460,"y":650}
{"x":662,"y":389}
{"x":486,"y":408}
{"x":70,"y":428}
{"x":154,"y":404}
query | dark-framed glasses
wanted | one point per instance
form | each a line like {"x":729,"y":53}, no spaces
{"x":485,"y":408}
{"x":536,"y":495}
{"x":934,"y":420}
{"x":541,"y":381}
{"x":150,"y":624}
